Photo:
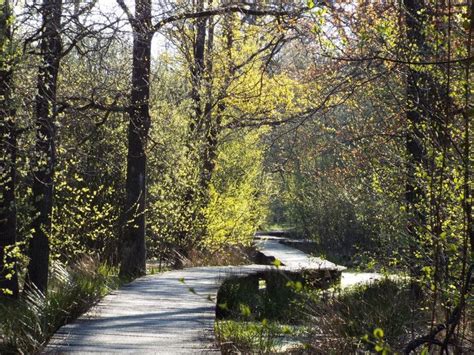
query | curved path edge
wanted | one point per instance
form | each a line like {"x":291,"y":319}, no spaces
{"x":174,"y":312}
{"x":167,"y":313}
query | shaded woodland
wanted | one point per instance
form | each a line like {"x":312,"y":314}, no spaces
{"x":148,"y":135}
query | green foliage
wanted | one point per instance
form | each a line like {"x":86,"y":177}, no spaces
{"x":334,"y":164}
{"x":237,"y":204}
{"x":380,"y":316}
{"x":173,"y":174}
{"x":90,"y":169}
{"x":335,"y":193}
{"x":249,"y":298}
{"x":247,"y":337}
{"x":185,"y":214}
{"x":8,"y":47}
{"x":264,"y":337}
{"x":86,"y":217}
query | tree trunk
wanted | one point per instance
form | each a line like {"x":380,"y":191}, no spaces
{"x":212,"y":122}
{"x":197,"y":70}
{"x":415,"y":117}
{"x":193,"y":230}
{"x":207,"y":123}
{"x":427,"y":110}
{"x":8,"y":272}
{"x":209,"y":151}
{"x":133,"y":251}
{"x":45,"y":144}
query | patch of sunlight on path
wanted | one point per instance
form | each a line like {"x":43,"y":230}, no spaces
{"x":349,"y":279}
{"x":174,"y":312}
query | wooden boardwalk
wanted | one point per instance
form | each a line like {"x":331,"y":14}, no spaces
{"x":167,"y":313}
{"x":273,"y":247}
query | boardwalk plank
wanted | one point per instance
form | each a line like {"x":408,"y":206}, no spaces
{"x":158,"y":314}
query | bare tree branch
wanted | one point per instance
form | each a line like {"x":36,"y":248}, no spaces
{"x":225,"y":10}
{"x":127,"y":11}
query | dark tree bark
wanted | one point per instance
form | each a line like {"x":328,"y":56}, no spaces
{"x":193,"y":230}
{"x":45,"y":144}
{"x":208,"y":102}
{"x":210,"y":125}
{"x":212,"y":121}
{"x":197,"y":69}
{"x":468,"y":188}
{"x":8,"y":274}
{"x":428,"y":114}
{"x":133,"y":251}
{"x":416,"y":100}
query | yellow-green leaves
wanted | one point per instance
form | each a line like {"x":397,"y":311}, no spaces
{"x":378,"y":333}
{"x":297,"y":286}
{"x":276,"y":263}
{"x":237,"y":193}
{"x":376,"y":340}
{"x":245,"y":310}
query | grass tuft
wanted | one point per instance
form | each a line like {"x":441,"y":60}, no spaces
{"x":247,"y":337}
{"x":346,"y":321}
{"x":27,"y":323}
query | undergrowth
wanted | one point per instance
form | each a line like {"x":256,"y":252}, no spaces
{"x":26,"y":324}
{"x":250,"y":337}
{"x":323,"y":322}
{"x":345,"y":321}
{"x":225,"y":255}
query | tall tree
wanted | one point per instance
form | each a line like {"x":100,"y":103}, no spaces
{"x":209,"y":103}
{"x":8,"y":146}
{"x":213,"y":120}
{"x":45,"y":101}
{"x":427,"y":113}
{"x":133,"y":251}
{"x":416,"y":100}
